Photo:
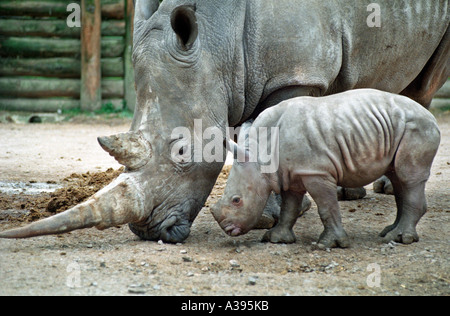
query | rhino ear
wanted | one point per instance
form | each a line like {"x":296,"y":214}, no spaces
{"x":239,"y":153}
{"x":184,"y":24}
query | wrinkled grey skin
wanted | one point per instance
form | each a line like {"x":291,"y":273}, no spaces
{"x":224,"y":62}
{"x":355,"y":137}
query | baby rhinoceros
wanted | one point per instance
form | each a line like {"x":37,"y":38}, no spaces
{"x":349,"y":140}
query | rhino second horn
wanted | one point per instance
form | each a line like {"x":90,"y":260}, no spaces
{"x":130,"y":149}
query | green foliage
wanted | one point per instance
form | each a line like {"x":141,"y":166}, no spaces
{"x":107,"y":111}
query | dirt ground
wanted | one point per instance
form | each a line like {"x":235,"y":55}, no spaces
{"x":116,"y":262}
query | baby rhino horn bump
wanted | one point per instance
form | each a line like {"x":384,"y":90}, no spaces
{"x":130,"y":149}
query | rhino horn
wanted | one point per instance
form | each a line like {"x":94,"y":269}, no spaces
{"x":130,"y":149}
{"x":119,"y":203}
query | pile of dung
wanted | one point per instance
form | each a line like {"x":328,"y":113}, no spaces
{"x":76,"y":189}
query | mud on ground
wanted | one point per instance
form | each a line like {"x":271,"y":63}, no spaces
{"x":116,"y":262}
{"x":74,"y":190}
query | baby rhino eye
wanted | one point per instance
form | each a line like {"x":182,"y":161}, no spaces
{"x":236,"y":200}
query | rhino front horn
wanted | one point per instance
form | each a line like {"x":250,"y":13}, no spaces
{"x":130,"y":149}
{"x":119,"y":203}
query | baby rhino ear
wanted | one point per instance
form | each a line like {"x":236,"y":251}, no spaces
{"x":244,"y":133}
{"x":239,"y":153}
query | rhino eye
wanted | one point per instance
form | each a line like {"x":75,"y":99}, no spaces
{"x":236,"y":200}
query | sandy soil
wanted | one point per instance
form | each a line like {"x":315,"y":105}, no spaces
{"x":116,"y":262}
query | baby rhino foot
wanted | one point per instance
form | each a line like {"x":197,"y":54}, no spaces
{"x":398,"y":234}
{"x":266,"y":221}
{"x":279,"y":235}
{"x":383,"y":186}
{"x":350,"y":194}
{"x":271,"y":212}
{"x":332,"y":239}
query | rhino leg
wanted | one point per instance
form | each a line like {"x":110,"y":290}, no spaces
{"x":271,"y":213}
{"x":290,"y":211}
{"x":324,"y":194}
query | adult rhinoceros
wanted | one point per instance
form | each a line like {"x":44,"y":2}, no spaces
{"x":224,"y":61}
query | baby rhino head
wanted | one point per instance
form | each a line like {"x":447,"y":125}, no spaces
{"x":244,"y":199}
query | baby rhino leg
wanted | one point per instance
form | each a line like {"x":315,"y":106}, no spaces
{"x":323,"y":193}
{"x":290,"y":211}
{"x":411,"y":171}
{"x":411,"y":206}
{"x":271,"y":213}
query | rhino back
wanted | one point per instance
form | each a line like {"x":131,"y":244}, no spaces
{"x":382,"y":57}
{"x":328,"y":45}
{"x":352,"y":136}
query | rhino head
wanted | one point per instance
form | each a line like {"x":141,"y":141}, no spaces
{"x":178,"y":79}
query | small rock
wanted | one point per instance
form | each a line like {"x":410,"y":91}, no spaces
{"x":190,"y":274}
{"x":183,"y":252}
{"x":234,"y":264}
{"x":332,"y":265}
{"x":136,"y":289}
{"x":252,"y":280}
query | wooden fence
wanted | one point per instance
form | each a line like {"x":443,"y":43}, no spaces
{"x":47,"y":65}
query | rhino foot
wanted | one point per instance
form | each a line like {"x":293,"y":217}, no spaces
{"x":399,"y":234}
{"x":350,"y":194}
{"x":332,"y":239}
{"x":272,"y":210}
{"x":383,"y":186}
{"x":279,"y":235}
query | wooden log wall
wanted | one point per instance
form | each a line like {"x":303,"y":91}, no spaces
{"x":41,"y":57}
